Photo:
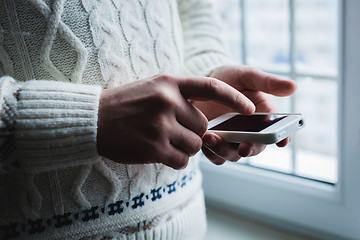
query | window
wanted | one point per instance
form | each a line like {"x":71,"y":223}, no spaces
{"x":312,"y":184}
{"x":297,"y":40}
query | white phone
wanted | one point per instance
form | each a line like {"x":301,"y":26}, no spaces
{"x":263,"y":128}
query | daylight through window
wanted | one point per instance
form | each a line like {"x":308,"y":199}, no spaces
{"x":296,"y":39}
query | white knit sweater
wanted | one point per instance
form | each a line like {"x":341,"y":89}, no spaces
{"x":55,"y":57}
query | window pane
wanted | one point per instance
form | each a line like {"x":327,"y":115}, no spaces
{"x":317,"y":100}
{"x":317,"y":143}
{"x":267,"y":34}
{"x":316,"y":165}
{"x":272,"y":158}
{"x":316,"y":36}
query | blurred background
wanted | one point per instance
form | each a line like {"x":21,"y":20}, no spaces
{"x":296,"y":39}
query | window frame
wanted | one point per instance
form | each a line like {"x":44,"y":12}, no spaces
{"x":300,"y":204}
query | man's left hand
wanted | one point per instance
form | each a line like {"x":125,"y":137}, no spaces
{"x":255,"y":85}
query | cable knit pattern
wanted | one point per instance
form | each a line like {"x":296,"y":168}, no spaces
{"x":29,"y":198}
{"x":55,"y":58}
{"x":102,"y":19}
{"x":18,"y":37}
{"x":55,"y":26}
{"x":6,"y":65}
{"x":130,"y":30}
{"x":56,"y":192}
{"x":199,"y":27}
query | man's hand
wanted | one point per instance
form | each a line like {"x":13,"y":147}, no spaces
{"x":255,"y":85}
{"x":153,"y":121}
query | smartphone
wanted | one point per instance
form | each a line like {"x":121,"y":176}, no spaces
{"x":263,"y":128}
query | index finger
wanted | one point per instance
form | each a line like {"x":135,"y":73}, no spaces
{"x":206,"y":88}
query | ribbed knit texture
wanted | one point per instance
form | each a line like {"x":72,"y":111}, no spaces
{"x":55,"y":58}
{"x":56,"y":125}
{"x":8,"y":103}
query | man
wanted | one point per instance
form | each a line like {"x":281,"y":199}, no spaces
{"x":99,"y":145}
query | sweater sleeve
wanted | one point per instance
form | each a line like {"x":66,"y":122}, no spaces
{"x":45,"y":125}
{"x":204,"y":48}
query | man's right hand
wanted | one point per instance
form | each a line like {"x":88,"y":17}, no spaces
{"x":153,"y":120}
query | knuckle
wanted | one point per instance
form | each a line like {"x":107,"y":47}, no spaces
{"x":267,"y":82}
{"x":196,"y":146}
{"x":164,"y":96}
{"x":161,"y":100}
{"x":161,"y":122}
{"x":239,"y":99}
{"x":213,"y":84}
{"x":167,"y":97}
{"x":180,"y":163}
{"x":251,"y":71}
{"x":163,"y":77}
{"x":203,"y":126}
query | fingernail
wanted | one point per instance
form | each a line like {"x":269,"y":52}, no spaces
{"x":210,"y":141}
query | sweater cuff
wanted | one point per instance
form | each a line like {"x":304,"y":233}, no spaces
{"x":8,"y":102}
{"x":204,"y":64}
{"x":56,"y":125}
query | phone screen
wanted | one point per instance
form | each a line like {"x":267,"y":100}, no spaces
{"x":248,"y":123}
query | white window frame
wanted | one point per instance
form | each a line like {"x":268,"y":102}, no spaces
{"x":304,"y":205}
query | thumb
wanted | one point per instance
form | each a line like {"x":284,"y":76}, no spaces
{"x":266,"y":82}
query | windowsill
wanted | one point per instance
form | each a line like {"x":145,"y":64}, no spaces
{"x":226,"y":225}
{"x":309,"y":164}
